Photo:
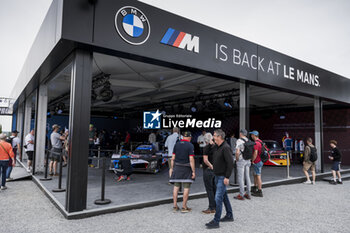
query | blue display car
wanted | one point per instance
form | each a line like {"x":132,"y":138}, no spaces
{"x":144,"y":158}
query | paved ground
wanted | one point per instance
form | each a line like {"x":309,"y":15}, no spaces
{"x":291,"y":208}
{"x":153,"y":186}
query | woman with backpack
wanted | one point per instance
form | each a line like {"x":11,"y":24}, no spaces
{"x":6,"y":154}
{"x":310,"y":157}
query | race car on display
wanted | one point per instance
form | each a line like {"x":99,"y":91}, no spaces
{"x":278,"y":156}
{"x":144,"y":158}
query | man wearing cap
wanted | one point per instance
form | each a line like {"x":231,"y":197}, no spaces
{"x":257,"y":164}
{"x":182,"y":170}
{"x":15,"y":142}
{"x":56,"y":142}
{"x":6,"y":153}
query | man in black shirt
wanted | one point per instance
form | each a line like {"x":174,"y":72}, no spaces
{"x":336,"y":158}
{"x":208,"y":173}
{"x":182,"y":170}
{"x":223,"y":164}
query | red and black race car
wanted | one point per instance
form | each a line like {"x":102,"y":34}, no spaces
{"x":278,"y":156}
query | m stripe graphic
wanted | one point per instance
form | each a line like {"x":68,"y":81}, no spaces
{"x":167,"y":36}
{"x":181,"y":40}
{"x":173,"y":37}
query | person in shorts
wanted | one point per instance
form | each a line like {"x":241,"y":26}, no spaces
{"x":29,"y":149}
{"x":257,"y":164}
{"x":182,"y":170}
{"x":336,"y":158}
{"x":307,"y":164}
{"x":56,"y":151}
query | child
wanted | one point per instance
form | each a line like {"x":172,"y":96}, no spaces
{"x":336,"y":158}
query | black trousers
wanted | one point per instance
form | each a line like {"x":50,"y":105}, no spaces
{"x":91,"y":153}
{"x":210,"y":187}
{"x":199,"y":160}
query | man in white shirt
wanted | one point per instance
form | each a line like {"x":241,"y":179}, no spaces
{"x":170,"y":144}
{"x":29,"y":149}
{"x":201,"y":141}
{"x":16,"y":142}
{"x":152,"y":139}
{"x":233,"y":142}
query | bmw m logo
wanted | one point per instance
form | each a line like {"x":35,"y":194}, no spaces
{"x":132,"y":25}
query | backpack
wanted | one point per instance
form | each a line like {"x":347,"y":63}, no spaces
{"x":313,"y":154}
{"x":264,"y":156}
{"x":247,"y":153}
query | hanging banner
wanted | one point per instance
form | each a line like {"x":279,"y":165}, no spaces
{"x":6,"y":106}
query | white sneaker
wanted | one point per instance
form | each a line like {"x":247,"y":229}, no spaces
{"x":313,"y":182}
{"x":28,"y":170}
{"x":3,"y":187}
{"x":307,"y":182}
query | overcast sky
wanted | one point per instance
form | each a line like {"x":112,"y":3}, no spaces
{"x":316,"y":31}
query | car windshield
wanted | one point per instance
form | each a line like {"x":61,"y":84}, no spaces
{"x":273,"y":145}
{"x":144,"y":149}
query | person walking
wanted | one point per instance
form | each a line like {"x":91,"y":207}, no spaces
{"x":56,"y":151}
{"x":208,"y":173}
{"x":6,"y":154}
{"x":182,"y":170}
{"x":223,"y":164}
{"x":29,"y":149}
{"x":244,"y":154}
{"x":336,"y":158}
{"x":257,"y":164}
{"x":170,"y":144}
{"x":308,"y":164}
{"x":16,"y":146}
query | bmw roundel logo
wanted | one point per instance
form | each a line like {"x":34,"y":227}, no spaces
{"x":132,"y":25}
